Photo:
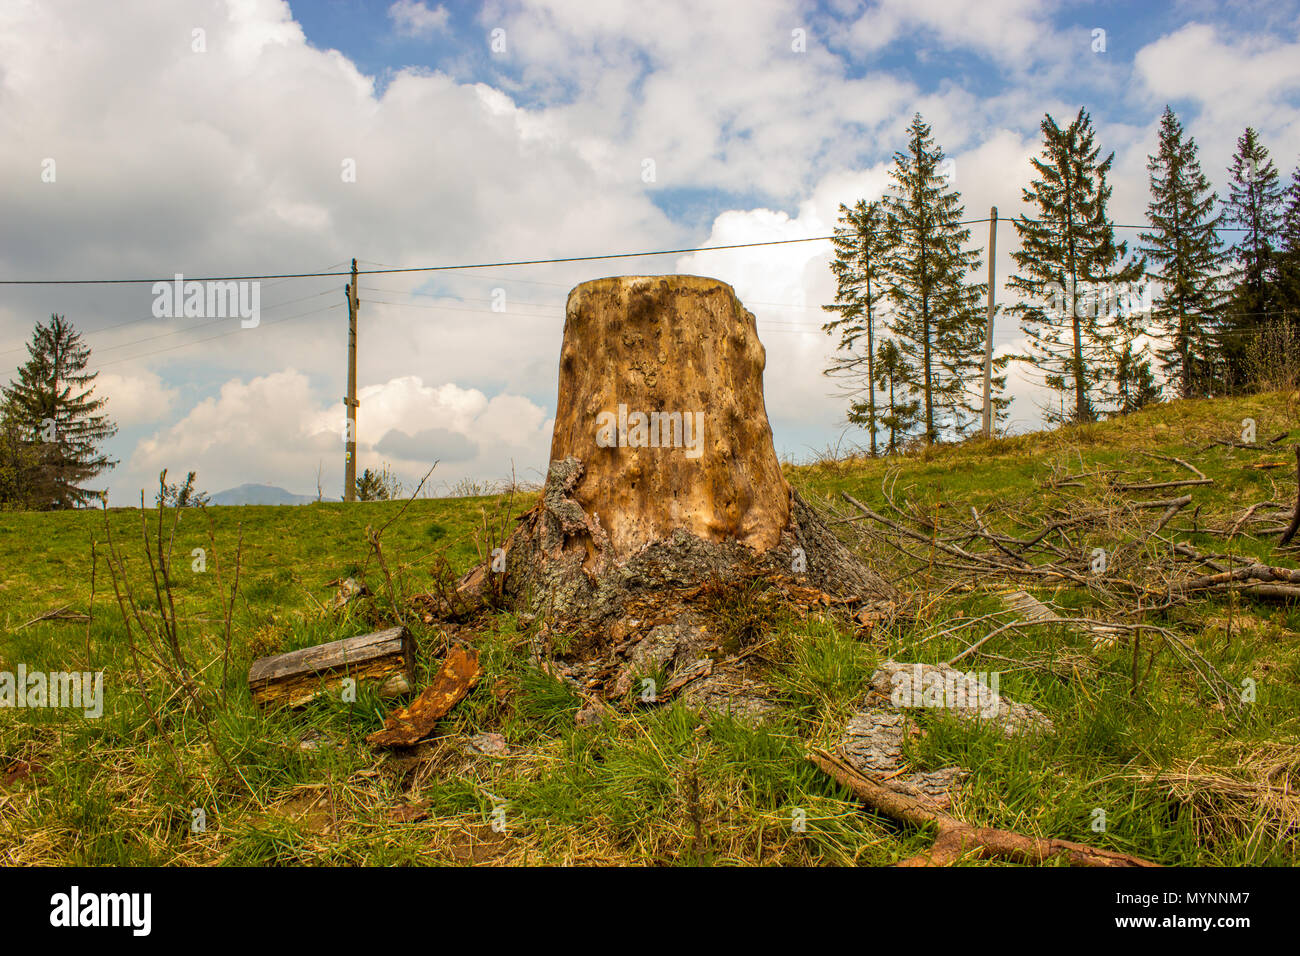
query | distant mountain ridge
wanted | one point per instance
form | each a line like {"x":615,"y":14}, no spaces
{"x":254,"y":494}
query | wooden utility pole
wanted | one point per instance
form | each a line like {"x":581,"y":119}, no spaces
{"x":988,"y":334}
{"x":350,"y":400}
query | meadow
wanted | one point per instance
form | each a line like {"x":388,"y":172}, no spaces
{"x":1182,"y":778}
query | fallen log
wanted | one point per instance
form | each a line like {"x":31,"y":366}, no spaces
{"x":1252,"y":572}
{"x":385,"y":658}
{"x":407,"y":726}
{"x":955,"y":838}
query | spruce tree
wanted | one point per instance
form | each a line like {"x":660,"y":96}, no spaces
{"x":57,"y":414}
{"x":1070,"y":271}
{"x":937,"y":318}
{"x":894,"y":378}
{"x":1183,"y":244}
{"x":1288,"y":278}
{"x":370,"y":488}
{"x":1254,"y":206}
{"x":861,"y":251}
{"x":17,"y":461}
{"x":1135,"y":383}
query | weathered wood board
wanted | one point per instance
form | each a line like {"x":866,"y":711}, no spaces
{"x":385,"y":658}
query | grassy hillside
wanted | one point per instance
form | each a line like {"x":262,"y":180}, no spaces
{"x":1141,"y":734}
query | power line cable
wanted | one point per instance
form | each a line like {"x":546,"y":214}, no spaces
{"x":221,"y":335}
{"x":501,"y":264}
{"x":88,"y":333}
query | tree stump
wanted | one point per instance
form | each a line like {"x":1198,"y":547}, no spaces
{"x":663,"y":476}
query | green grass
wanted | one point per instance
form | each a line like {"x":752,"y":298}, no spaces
{"x":660,"y":785}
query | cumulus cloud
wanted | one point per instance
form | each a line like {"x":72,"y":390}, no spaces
{"x":1010,"y":31}
{"x":1204,"y":62}
{"x":714,"y":98}
{"x":428,"y":444}
{"x":137,"y":399}
{"x":273,"y":429}
{"x":1234,"y":79}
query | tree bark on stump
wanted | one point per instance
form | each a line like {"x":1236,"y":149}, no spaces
{"x":663,"y":474}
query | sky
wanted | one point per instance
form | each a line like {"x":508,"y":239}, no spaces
{"x":147,"y":138}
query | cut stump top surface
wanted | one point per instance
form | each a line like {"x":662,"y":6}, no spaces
{"x":661,"y":399}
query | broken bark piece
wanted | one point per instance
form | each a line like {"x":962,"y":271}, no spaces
{"x":700,"y":668}
{"x":349,"y":590}
{"x":488,"y":745}
{"x":18,"y":771}
{"x":731,"y":695}
{"x":873,"y":744}
{"x":385,"y":658}
{"x":956,"y":838}
{"x":408,"y":812}
{"x":406,"y":726}
{"x":873,"y":738}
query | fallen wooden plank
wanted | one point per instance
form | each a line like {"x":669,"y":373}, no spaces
{"x":406,"y":726}
{"x":385,"y":658}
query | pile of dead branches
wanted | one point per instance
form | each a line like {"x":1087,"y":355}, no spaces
{"x":1141,"y":568}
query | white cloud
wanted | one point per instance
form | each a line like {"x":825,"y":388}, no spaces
{"x":714,"y":98}
{"x":273,"y":430}
{"x":1011,"y":31}
{"x":414,"y":18}
{"x":1222,"y":71}
{"x":1234,"y":80}
{"x":135,"y":399}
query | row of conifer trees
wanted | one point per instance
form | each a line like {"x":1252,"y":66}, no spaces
{"x":1207,"y":300}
